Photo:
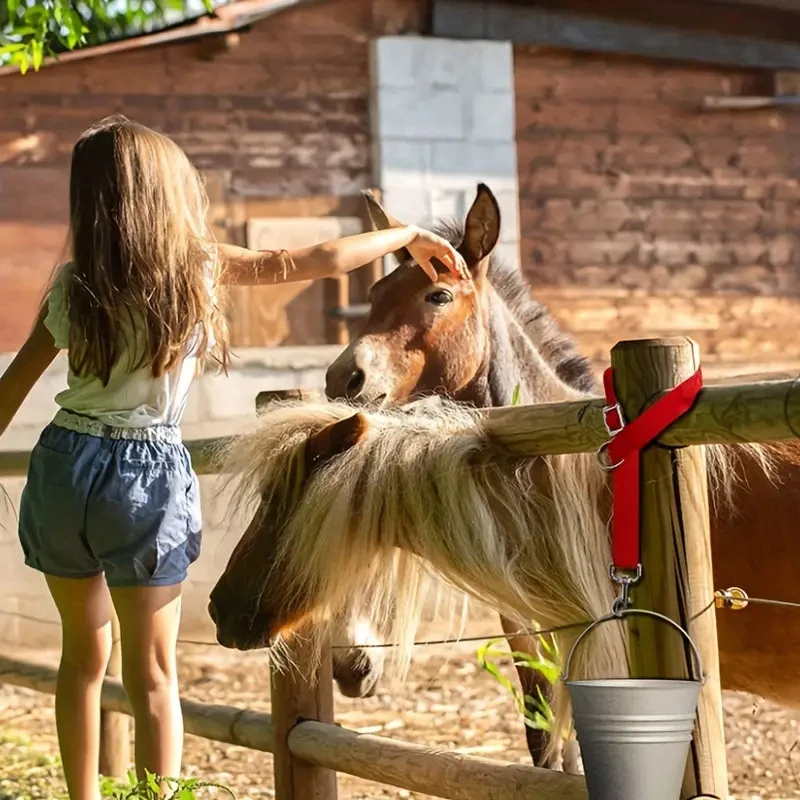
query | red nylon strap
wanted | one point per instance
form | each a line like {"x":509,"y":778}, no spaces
{"x":624,"y":450}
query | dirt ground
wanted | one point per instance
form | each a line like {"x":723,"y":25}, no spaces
{"x":448,"y":702}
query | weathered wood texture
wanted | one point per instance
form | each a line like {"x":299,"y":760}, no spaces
{"x":428,"y":771}
{"x":238,"y":726}
{"x":676,"y":555}
{"x":294,"y":699}
{"x":282,"y":115}
{"x":641,"y":215}
{"x":757,"y":412}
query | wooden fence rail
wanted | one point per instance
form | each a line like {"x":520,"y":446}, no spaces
{"x":401,"y":764}
{"x":750,"y":412}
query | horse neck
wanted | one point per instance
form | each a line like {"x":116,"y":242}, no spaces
{"x":511,"y":360}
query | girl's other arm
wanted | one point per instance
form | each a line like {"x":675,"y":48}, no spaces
{"x":34,"y":357}
{"x":327,"y":260}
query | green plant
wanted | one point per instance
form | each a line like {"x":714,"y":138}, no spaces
{"x":30,"y":30}
{"x":153,"y":787}
{"x":536,"y":711}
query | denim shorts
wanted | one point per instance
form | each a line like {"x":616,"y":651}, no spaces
{"x":97,"y":502}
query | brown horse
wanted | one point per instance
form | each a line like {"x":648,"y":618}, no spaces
{"x":474,"y":343}
{"x":459,"y":340}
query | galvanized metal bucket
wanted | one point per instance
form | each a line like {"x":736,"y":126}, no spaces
{"x":634,"y":734}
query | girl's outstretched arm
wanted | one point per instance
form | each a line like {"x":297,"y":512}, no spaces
{"x":34,"y":357}
{"x":327,"y":260}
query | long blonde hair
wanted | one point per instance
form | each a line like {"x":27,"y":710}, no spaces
{"x":143,"y":258}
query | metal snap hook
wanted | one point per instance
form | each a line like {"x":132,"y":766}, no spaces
{"x":603,"y":460}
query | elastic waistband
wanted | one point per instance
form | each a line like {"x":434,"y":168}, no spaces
{"x":168,"y":434}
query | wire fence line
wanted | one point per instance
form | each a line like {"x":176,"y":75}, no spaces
{"x":722,"y":595}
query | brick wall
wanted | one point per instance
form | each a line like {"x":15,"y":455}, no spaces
{"x":284,"y":114}
{"x":642,"y":215}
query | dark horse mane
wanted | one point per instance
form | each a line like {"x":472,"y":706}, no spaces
{"x":558,"y":349}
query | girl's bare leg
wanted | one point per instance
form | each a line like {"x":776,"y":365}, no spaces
{"x":149,"y":617}
{"x":84,"y":605}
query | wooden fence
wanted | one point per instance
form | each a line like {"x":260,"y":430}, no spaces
{"x":309,"y":749}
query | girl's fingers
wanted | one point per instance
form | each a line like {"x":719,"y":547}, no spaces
{"x":428,"y":269}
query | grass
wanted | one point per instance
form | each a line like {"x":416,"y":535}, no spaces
{"x":29,"y":773}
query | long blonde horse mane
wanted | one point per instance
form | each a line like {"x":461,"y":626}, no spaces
{"x":430,"y":493}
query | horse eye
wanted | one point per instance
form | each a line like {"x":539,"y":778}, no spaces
{"x":441,"y":297}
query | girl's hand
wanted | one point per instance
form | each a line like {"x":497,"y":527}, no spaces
{"x":426,"y":246}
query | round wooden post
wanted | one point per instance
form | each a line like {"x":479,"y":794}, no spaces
{"x":295,"y":699}
{"x":676,"y":554}
{"x":115,"y":739}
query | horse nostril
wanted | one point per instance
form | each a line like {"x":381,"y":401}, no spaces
{"x":356,"y":383}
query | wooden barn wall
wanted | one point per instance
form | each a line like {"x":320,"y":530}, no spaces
{"x":641,"y":215}
{"x":283,"y":115}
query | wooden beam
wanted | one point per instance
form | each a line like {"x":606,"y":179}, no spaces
{"x":676,"y":556}
{"x":296,"y":698}
{"x":729,"y":414}
{"x":429,"y":771}
{"x":462,"y":19}
{"x":227,"y":724}
{"x":263,"y":399}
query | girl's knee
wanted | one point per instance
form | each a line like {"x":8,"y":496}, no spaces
{"x":148,"y":684}
{"x":89,"y":660}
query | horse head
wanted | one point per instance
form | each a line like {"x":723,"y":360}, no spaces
{"x":251,"y":604}
{"x":422,"y":337}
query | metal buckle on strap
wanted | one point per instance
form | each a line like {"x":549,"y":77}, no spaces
{"x":613,"y":418}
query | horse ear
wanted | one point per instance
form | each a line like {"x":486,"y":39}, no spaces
{"x":481,"y":231}
{"x":383,"y":221}
{"x":334,"y":439}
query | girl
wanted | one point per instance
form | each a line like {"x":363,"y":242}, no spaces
{"x":111,"y":512}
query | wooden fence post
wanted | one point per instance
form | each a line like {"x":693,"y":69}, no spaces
{"x":115,"y":737}
{"x":293,"y":700}
{"x":676,"y":554}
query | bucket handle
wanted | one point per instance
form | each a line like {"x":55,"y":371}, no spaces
{"x":642,"y":612}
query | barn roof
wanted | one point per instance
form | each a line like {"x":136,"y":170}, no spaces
{"x":228,"y":18}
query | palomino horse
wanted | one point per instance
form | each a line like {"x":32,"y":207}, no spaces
{"x":474,"y":344}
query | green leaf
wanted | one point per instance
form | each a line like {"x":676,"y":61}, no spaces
{"x":37,"y":54}
{"x":515,"y":397}
{"x":152,"y":783}
{"x":14,"y":47}
{"x":35,"y":14}
{"x":21,"y":60}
